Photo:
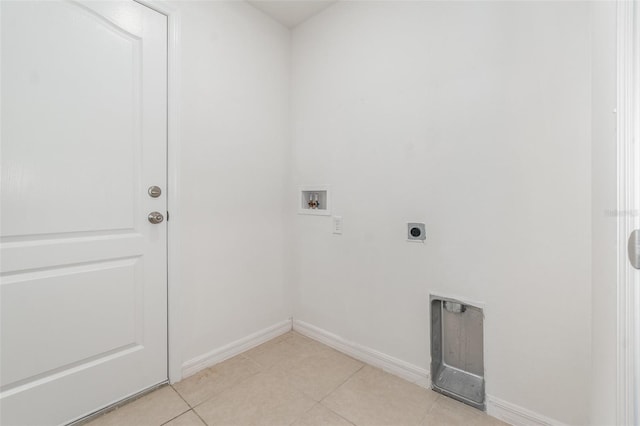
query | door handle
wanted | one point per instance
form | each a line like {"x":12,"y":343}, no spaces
{"x":155,"y":217}
{"x":633,"y":248}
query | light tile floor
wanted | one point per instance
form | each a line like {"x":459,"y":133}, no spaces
{"x":293,"y":380}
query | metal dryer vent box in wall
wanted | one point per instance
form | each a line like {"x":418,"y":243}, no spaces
{"x":457,"y":350}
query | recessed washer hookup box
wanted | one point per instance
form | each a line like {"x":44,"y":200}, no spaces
{"x":457,"y":350}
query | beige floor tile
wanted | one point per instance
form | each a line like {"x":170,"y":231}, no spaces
{"x":288,"y":347}
{"x":263,"y":399}
{"x":268,"y":354}
{"x":151,"y":410}
{"x":280,"y":382}
{"x":286,"y":336}
{"x":298,"y":340}
{"x":492,"y":421}
{"x":211,"y":381}
{"x":187,"y":419}
{"x":320,"y":372}
{"x":449,"y":412}
{"x":373,"y":397}
{"x":321,"y":416}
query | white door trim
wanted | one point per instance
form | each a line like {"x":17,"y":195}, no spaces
{"x":174,"y":284}
{"x":628,"y":130}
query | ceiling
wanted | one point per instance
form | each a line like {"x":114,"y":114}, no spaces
{"x":292,"y":12}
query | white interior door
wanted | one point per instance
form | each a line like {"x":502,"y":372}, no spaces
{"x":84,"y":276}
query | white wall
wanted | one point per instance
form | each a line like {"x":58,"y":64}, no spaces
{"x":234,"y":147}
{"x":475,"y":119}
{"x":604,"y":203}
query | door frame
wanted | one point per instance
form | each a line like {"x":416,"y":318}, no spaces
{"x":174,"y":282}
{"x":628,"y":288}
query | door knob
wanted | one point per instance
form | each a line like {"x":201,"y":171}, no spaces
{"x":155,"y":217}
{"x":633,"y":248}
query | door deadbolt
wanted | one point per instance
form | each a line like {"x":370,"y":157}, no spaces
{"x":633,"y":248}
{"x":155,"y":217}
{"x":154,"y":191}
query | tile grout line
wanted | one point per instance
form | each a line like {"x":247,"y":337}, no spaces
{"x":343,"y":382}
{"x":271,"y":370}
{"x":189,"y":405}
{"x":181,"y":397}
{"x":191,"y":408}
{"x":201,"y":419}
{"x":362,"y":365}
{"x":185,"y":401}
{"x":338,"y":414}
{"x":426,"y":414}
{"x":260,"y":366}
{"x":338,"y":387}
{"x":173,"y":418}
{"x":224,"y":391}
{"x":301,"y":415}
{"x":194,"y":406}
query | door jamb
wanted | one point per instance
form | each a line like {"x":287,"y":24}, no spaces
{"x":174,"y":282}
{"x":628,"y":131}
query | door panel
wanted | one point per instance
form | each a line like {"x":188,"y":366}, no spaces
{"x":105,"y":321}
{"x":83,"y":272}
{"x":50,"y":92}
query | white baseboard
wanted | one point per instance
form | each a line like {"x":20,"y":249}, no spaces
{"x":516,"y":415}
{"x":392,"y":365}
{"x":500,"y":409}
{"x":234,"y":348}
